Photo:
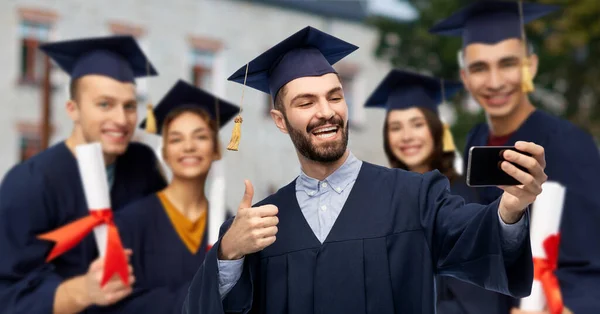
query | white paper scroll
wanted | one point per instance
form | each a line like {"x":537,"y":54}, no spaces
{"x":92,"y":170}
{"x":545,"y":221}
{"x":217,"y":210}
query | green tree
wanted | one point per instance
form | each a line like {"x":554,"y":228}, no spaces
{"x":566,"y":42}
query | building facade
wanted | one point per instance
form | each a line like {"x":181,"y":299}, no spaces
{"x":199,"y":41}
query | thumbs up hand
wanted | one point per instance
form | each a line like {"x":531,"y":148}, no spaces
{"x":252,"y":230}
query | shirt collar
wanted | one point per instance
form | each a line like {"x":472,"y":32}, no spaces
{"x":337,"y":181}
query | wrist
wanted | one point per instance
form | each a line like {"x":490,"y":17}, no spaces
{"x":79,"y":292}
{"x":226,"y":252}
{"x":510,"y":217}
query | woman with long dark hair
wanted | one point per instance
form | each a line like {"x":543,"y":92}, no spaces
{"x":415,"y":139}
{"x":167,"y":231}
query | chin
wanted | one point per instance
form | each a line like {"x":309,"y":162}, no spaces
{"x":112,"y":149}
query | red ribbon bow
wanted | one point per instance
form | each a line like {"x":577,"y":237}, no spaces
{"x":544,"y":272}
{"x":66,"y":237}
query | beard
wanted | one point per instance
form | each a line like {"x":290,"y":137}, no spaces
{"x":327,"y":152}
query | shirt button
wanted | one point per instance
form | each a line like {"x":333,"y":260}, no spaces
{"x":311,"y":193}
{"x":338,"y":189}
{"x":323,"y":208}
{"x":324,"y":184}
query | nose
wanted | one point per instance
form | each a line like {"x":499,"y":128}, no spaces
{"x":120,"y":116}
{"x":496,"y":80}
{"x":325,"y":111}
{"x":189,"y":145}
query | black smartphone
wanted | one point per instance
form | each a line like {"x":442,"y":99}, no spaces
{"x":483,"y":167}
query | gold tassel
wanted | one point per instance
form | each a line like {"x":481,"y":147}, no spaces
{"x":236,"y":134}
{"x":150,"y":119}
{"x":526,"y":79}
{"x":448,"y":140}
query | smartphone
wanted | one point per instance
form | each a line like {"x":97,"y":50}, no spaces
{"x":483,"y":168}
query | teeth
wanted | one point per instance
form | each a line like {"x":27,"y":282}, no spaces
{"x":325,"y":135}
{"x":116,"y":134}
{"x":334,"y":128}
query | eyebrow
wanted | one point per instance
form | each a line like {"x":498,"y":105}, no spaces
{"x":200,"y":129}
{"x":113,"y":99}
{"x":480,"y":63}
{"x":308,"y":95}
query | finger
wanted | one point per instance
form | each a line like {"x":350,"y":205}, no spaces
{"x":267,"y":232}
{"x":264,"y":242}
{"x":525,"y":178}
{"x":266,"y":211}
{"x":116,"y":296}
{"x":248,"y":195}
{"x":516,"y":191}
{"x":536,"y":151}
{"x":97,"y":264}
{"x":529,"y":163}
{"x":113,"y":285}
{"x":266,"y":222}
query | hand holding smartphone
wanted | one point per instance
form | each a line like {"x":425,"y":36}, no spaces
{"x":483,"y":167}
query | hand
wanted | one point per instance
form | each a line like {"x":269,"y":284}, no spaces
{"x":515,"y":199}
{"x":517,"y":311}
{"x":252,"y":230}
{"x":113,"y":291}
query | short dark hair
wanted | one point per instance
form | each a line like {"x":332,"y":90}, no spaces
{"x":73,"y":89}
{"x":278,"y":102}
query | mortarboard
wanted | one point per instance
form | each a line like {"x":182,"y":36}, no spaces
{"x":308,"y":52}
{"x":404,"y":89}
{"x":489,"y":22}
{"x":185,"y":94}
{"x":118,"y":57}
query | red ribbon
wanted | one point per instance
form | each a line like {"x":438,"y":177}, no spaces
{"x":66,"y":237}
{"x":544,"y":272}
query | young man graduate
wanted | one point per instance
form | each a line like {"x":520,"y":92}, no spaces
{"x":494,"y":54}
{"x":347,"y":236}
{"x":45,"y":192}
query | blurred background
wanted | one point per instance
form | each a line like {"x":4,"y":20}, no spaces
{"x":204,"y":41}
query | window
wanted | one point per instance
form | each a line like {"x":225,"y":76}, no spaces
{"x":204,"y":62}
{"x":31,"y":144}
{"x":138,"y":32}
{"x":31,"y":35}
{"x":201,"y":69}
{"x":30,"y":139}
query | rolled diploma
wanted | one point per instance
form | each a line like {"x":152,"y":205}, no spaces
{"x":92,"y":170}
{"x":545,"y":221}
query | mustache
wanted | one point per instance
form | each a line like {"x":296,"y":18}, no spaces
{"x":335,"y":120}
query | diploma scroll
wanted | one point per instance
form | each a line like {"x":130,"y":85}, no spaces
{"x":545,"y":237}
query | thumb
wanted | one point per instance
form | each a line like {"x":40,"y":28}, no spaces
{"x":248,"y":195}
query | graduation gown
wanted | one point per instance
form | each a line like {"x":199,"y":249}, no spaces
{"x":395,"y":231}
{"x":162,"y":264}
{"x":42,"y":194}
{"x":572,"y":159}
{"x":455,"y":296}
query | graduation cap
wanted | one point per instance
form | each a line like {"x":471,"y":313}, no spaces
{"x":404,"y":90}
{"x":489,"y":22}
{"x":185,"y":94}
{"x":308,"y":52}
{"x":117,"y":57}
